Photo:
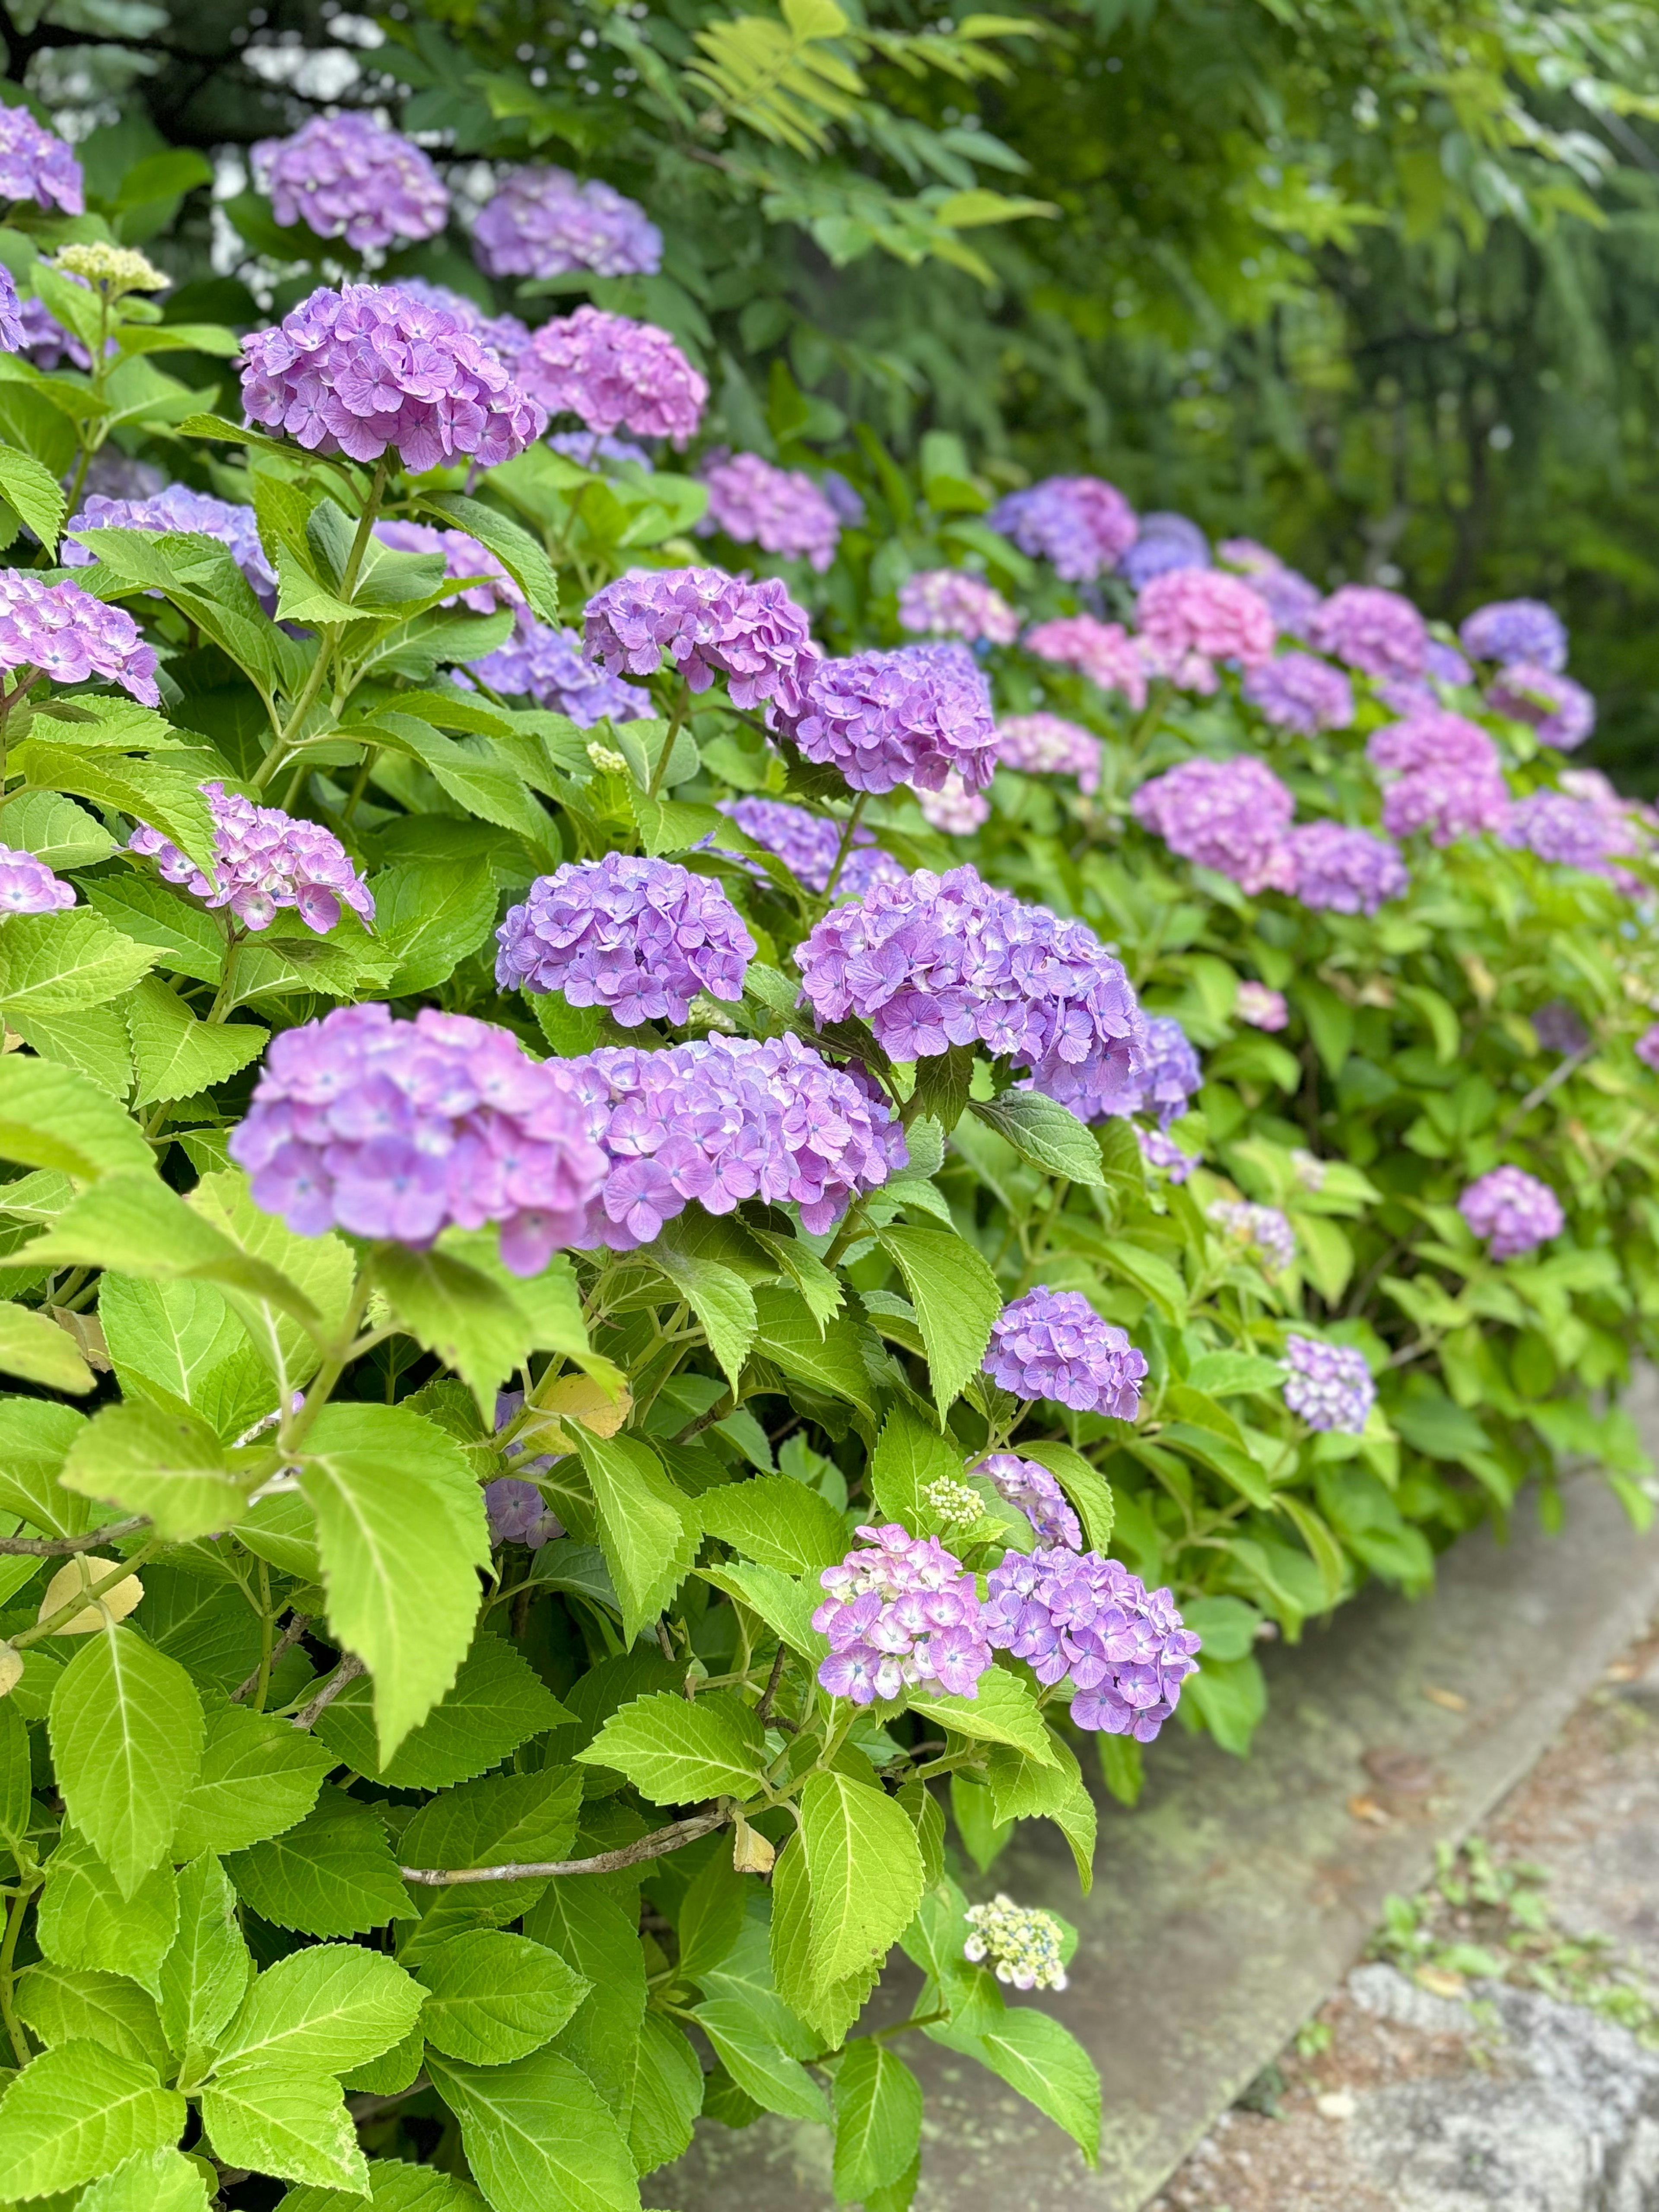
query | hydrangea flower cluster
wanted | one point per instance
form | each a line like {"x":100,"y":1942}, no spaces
{"x":934,"y":961}
{"x":504,"y":335}
{"x":956,"y":603}
{"x":1164,"y":543}
{"x":1342,"y":871}
{"x":60,"y":631}
{"x":1103,"y":652}
{"x":1077,"y":1617}
{"x":1053,"y":1344}
{"x":1032,"y":1490}
{"x":1260,"y":1007}
{"x":807,"y":845}
{"x":1163,"y":1152}
{"x":707,"y":624}
{"x":781,"y":510}
{"x":1082,"y":526}
{"x":543,"y":223}
{"x":1646,"y":1046}
{"x":1205,"y":611}
{"x":1329,"y":1384}
{"x":371,"y":368}
{"x":722,"y":1118}
{"x":1450,"y":781}
{"x":1188,"y":671}
{"x":615,"y":374}
{"x":1508,"y":630}
{"x":13,"y":335}
{"x":1262,"y":1231}
{"x":28,"y":886}
{"x":909,"y":716}
{"x":1299,"y":692}
{"x":640,"y":937}
{"x":1292,"y":599}
{"x":344,"y":176}
{"x":519,"y":1514}
{"x":1023,"y":1944}
{"x":902,"y":1614}
{"x":548,"y":666}
{"x":400,"y":1129}
{"x":263,"y":861}
{"x":1562,"y":712}
{"x":953,"y":808}
{"x":177,"y":508}
{"x":463,"y":556}
{"x":591,"y":450}
{"x":1047,"y":745}
{"x":1560,"y":829}
{"x":1231,"y":815}
{"x":1633,"y":824}
{"x":1169,"y":1076}
{"x":1558,"y":1029}
{"x":1375,"y":631}
{"x":1445,"y":664}
{"x":36,"y":164}
{"x":1511,"y":1211}
{"x":47,"y":343}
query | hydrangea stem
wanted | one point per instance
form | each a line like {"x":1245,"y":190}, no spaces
{"x":676,"y":720}
{"x":845,"y":848}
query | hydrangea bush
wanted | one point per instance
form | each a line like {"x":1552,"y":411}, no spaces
{"x":677,"y":1242}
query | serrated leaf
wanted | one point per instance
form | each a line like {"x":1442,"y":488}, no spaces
{"x":784,"y":1605}
{"x":777,"y":2082}
{"x":174,"y":1054}
{"x":207,"y":1970}
{"x":430,"y":915}
{"x":778,"y":1521}
{"x":722,"y":1301}
{"x":452,"y":1310}
{"x":323,"y":2010}
{"x":878,"y":2119}
{"x":666,"y":2087}
{"x":504,"y":1819}
{"x":320,"y":1269}
{"x":956,"y":1301}
{"x":675,"y":1753}
{"x":492,"y":1997}
{"x":167,"y":1464}
{"x":35,"y":493}
{"x":77,"y":2111}
{"x":63,"y":2006}
{"x":648,"y":1531}
{"x":864,"y":1867}
{"x":909,"y":1457}
{"x":126,"y":1744}
{"x":36,"y":1349}
{"x":538,"y":2134}
{"x":393,"y":2186}
{"x":82,"y":1921}
{"x":1043,"y":1131}
{"x":1034,"y":2054}
{"x":279,"y":2119}
{"x":1003,"y":1711}
{"x":333,"y":1874}
{"x":525,"y":560}
{"x":830,"y":2008}
{"x":1087,"y":1488}
{"x":162,"y":2181}
{"x":258,"y":1778}
{"x":51,"y":1117}
{"x":401,"y":1529}
{"x":828,"y":1356}
{"x":497,"y":1702}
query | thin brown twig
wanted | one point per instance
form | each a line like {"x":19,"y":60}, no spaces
{"x":764,"y":1711}
{"x":348,"y":1671}
{"x":61,"y":1548}
{"x":284,"y":1643}
{"x":672,"y":1838}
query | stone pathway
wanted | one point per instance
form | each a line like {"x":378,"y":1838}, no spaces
{"x":1428,"y":2090}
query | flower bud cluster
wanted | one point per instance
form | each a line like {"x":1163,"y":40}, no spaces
{"x":1053,"y":1344}
{"x":1022,"y":1944}
{"x":1077,"y":1617}
{"x":902,"y":1615}
{"x":264,"y":860}
{"x":641,"y":937}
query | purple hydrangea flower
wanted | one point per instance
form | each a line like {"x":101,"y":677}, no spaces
{"x":1342,"y":871}
{"x":1444,"y":663}
{"x":1078,"y":1617}
{"x":548,"y":666}
{"x":1033,"y":1491}
{"x":1558,"y":1029}
{"x":47,"y":344}
{"x":504,"y":335}
{"x":371,"y":368}
{"x":463,"y":556}
{"x":1208,"y":612}
{"x":1632,"y":825}
{"x":1158,"y":1150}
{"x":953,"y":808}
{"x":1562,"y":712}
{"x":707,"y":624}
{"x":28,"y":886}
{"x":1375,"y":631}
{"x":264,"y":860}
{"x":60,"y":631}
{"x":116,"y":475}
{"x":721,"y":1119}
{"x":1299,"y":692}
{"x":591,"y":450}
{"x":1511,"y":1211}
{"x":807,"y":845}
{"x":1260,"y":1007}
{"x":781,"y":510}
{"x":1432,"y":738}
{"x":640,"y":937}
{"x":846,"y":498}
{"x":910,"y":716}
{"x":902,"y":1614}
{"x":519,"y":1514}
{"x":1053,"y":1344}
{"x":1292,"y":599}
{"x":934,"y":961}
{"x":1448,"y":802}
{"x":401,"y":1129}
{"x":1164,"y":543}
{"x":1646,"y":1046}
{"x":1568,"y":832}
{"x":13,"y":335}
{"x":956,"y":603}
{"x":36,"y":164}
{"x":1508,"y":630}
{"x":177,"y":508}
{"x":1081,"y":524}
{"x":1169,"y":1078}
{"x":344,"y":176}
{"x":1103,"y":652}
{"x":1047,"y":745}
{"x":1329,"y":1385}
{"x":1262,"y":1231}
{"x":544,"y":223}
{"x":1231,"y":815}
{"x":615,"y":374}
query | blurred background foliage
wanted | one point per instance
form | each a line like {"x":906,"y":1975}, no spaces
{"x":1376,"y":280}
